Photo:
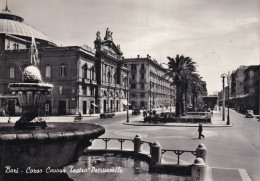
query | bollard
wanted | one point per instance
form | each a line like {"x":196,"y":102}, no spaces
{"x":199,"y":170}
{"x":201,"y":152}
{"x":137,"y":143}
{"x":156,"y":153}
{"x":89,"y":162}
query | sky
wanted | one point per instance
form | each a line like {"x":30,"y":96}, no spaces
{"x":218,"y":35}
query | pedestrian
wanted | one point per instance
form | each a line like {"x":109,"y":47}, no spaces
{"x":3,"y":113}
{"x":144,"y":113}
{"x":200,"y":131}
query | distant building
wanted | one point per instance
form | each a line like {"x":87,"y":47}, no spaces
{"x":244,"y":89}
{"x":149,"y":88}
{"x":84,"y":80}
{"x":251,"y":80}
{"x":237,"y":82}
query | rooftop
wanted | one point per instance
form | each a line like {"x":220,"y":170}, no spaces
{"x":13,"y":25}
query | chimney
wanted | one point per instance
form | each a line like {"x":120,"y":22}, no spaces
{"x":138,"y":56}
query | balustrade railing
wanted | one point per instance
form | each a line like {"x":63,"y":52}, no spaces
{"x":178,"y":153}
{"x":143,"y":143}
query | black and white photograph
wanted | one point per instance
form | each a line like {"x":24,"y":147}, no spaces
{"x":119,"y":90}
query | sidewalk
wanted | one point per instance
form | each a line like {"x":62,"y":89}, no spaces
{"x":65,"y":118}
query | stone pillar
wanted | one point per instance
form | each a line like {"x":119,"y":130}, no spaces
{"x":156,"y":153}
{"x":137,"y":143}
{"x":201,"y":152}
{"x":199,"y":170}
{"x":89,"y":162}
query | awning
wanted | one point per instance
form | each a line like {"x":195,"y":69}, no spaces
{"x":94,"y":105}
{"x":125,"y":103}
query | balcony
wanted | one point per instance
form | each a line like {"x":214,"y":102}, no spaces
{"x":94,"y":82}
{"x":85,"y":81}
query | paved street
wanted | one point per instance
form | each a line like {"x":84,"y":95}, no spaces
{"x":228,"y":147}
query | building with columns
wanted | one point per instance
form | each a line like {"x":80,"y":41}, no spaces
{"x":149,"y":88}
{"x":85,"y":80}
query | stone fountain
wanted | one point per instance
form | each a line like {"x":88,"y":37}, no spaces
{"x":30,"y":146}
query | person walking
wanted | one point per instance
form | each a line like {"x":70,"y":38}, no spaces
{"x":200,"y":131}
{"x":144,"y":113}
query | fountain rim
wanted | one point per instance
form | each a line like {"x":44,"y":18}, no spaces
{"x":30,"y":85}
{"x":54,"y":135}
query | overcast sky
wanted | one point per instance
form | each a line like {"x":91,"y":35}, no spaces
{"x":219,"y":35}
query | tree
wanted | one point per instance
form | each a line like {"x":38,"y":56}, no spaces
{"x":197,"y":86}
{"x":179,"y":68}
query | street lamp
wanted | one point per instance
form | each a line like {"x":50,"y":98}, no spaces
{"x":150,"y":93}
{"x":228,"y":81}
{"x":127,"y":106}
{"x":170,"y":97}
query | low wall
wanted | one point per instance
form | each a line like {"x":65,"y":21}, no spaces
{"x":198,"y":170}
{"x":154,"y":119}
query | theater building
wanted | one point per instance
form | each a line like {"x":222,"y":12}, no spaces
{"x":85,"y":80}
{"x":149,"y":87}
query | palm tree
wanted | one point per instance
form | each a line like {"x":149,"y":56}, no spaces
{"x":178,"y":68}
{"x":197,"y":86}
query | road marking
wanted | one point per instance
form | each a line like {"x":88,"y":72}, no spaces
{"x":244,"y":175}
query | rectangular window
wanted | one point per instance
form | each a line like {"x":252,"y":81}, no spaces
{"x":142,"y":75}
{"x":133,"y":86}
{"x":84,"y":90}
{"x":142,"y":95}
{"x":142,"y":86}
{"x":92,"y":91}
{"x":62,"y":70}
{"x":11,"y":72}
{"x":142,"y":66}
{"x":142,"y":104}
{"x":48,"y":71}
{"x":133,"y":66}
{"x":60,"y":90}
{"x":133,"y":76}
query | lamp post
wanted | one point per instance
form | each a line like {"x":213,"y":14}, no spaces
{"x":127,"y":106}
{"x":228,"y":120}
{"x":150,"y":94}
{"x":223,"y":97}
{"x":170,"y":97}
{"x":228,"y":81}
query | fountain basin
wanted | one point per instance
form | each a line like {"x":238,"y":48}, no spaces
{"x":56,"y":146}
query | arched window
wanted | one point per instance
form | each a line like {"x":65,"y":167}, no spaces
{"x":63,"y":70}
{"x":85,"y":71}
{"x":48,"y":71}
{"x":12,"y":72}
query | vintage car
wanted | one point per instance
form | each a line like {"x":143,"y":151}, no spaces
{"x":107,"y":115}
{"x":249,"y":113}
{"x":136,"y":112}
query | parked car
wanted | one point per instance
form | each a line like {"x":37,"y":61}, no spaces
{"x":249,"y":113}
{"x":107,"y":115}
{"x":136,"y":112}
